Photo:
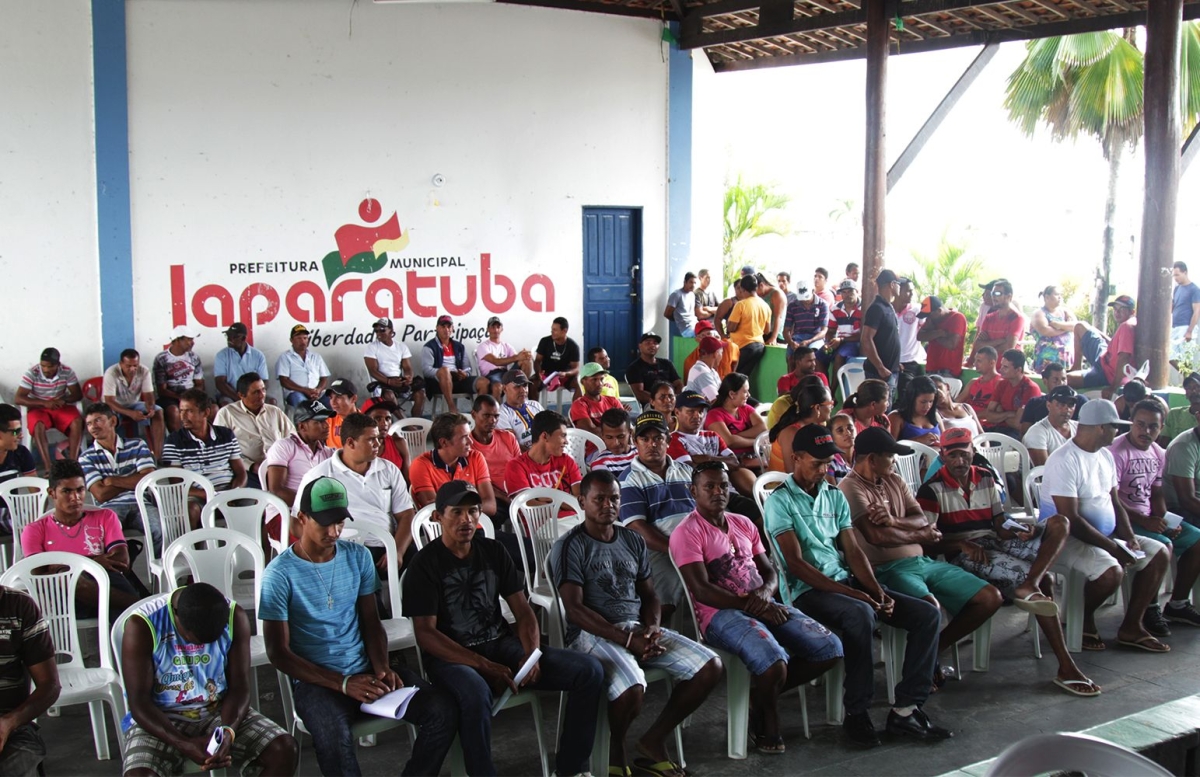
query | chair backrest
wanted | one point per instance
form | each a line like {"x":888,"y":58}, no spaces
{"x":1075,"y":753}
{"x":908,"y":467}
{"x":762,"y":448}
{"x":541,"y":524}
{"x":54,"y":593}
{"x":489,"y":528}
{"x":577,"y":442}
{"x":765,"y":484}
{"x":169,"y":487}
{"x":1033,"y":490}
{"x":247,"y":510}
{"x":93,"y":390}
{"x":118,"y":630}
{"x":27,"y":500}
{"x":954,"y":385}
{"x":996,"y":449}
{"x":424,"y":528}
{"x":850,"y":376}
{"x":210,"y":556}
{"x":415,"y":432}
{"x":687,"y":600}
{"x":392,"y":584}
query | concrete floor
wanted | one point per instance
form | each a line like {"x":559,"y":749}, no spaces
{"x":987,"y":712}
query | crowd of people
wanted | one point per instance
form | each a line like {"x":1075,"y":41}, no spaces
{"x":664,"y":519}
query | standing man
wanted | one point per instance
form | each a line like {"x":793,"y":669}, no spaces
{"x":806,"y":322}
{"x":852,"y":272}
{"x":302,"y":372}
{"x":591,"y":405}
{"x":322,"y":629}
{"x":26,"y":653}
{"x":1107,"y":357}
{"x":496,"y":357}
{"x":256,"y":424}
{"x":912,"y":355}
{"x":176,"y":370}
{"x":518,"y":411}
{"x":681,"y":307}
{"x":389,"y":363}
{"x":647,"y":369}
{"x":706,"y":301}
{"x":1185,"y":312}
{"x":844,"y":338}
{"x":1013,"y":392}
{"x":50,"y":390}
{"x":129,"y":390}
{"x":777,"y":301}
{"x":557,"y":355}
{"x":784,"y":281}
{"x":945,"y":335}
{"x":113,"y":467}
{"x":206,"y":449}
{"x":1053,"y":431}
{"x":1004,"y":326}
{"x":452,"y":593}
{"x":881,"y":333}
{"x":748,"y":322}
{"x":235,"y":360}
{"x":446,"y":362}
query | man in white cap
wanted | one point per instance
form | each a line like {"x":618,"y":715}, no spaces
{"x":177,"y":369}
{"x":806,"y":320}
{"x":1080,"y":483}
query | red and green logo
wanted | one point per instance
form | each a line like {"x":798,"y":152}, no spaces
{"x":363,"y":248}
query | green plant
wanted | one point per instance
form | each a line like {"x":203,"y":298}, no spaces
{"x":952,"y":272}
{"x":752,"y":210}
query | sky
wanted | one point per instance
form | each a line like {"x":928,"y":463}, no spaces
{"x":1032,"y":209}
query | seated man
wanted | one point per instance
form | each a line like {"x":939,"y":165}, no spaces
{"x":647,"y":369}
{"x":15,"y":459}
{"x":609,"y":387}
{"x":235,"y":360}
{"x":681,"y":307}
{"x":1080,"y":483}
{"x":703,"y":377}
{"x":804,"y":363}
{"x":303,"y":374}
{"x":692,"y":444}
{"x":546,"y":463}
{"x":203,"y":448}
{"x":291,"y":458}
{"x":1055,"y":429}
{"x":497,"y":446}
{"x":827,"y":574}
{"x":389,"y":363}
{"x":517,"y":411}
{"x":1182,"y":483}
{"x":186,"y":663}
{"x":495,"y":358}
{"x":591,"y":405}
{"x":806,"y":322}
{"x":964,"y":502}
{"x":50,"y":390}
{"x":177,"y":369}
{"x":1053,"y":376}
{"x":557,"y":355}
{"x":453,"y":458}
{"x":112,"y":469}
{"x":732,"y":584}
{"x":978,"y":393}
{"x":26,"y":653}
{"x":342,"y":397}
{"x":95,"y":534}
{"x":322,"y":629}
{"x":1107,"y":357}
{"x":1140,"y":464}
{"x":256,"y":424}
{"x":602,"y":572}
{"x":894,"y":528}
{"x":1013,"y":392}
{"x":1179,"y":419}
{"x":729,"y":352}
{"x":129,"y":390}
{"x":452,"y":592}
{"x":617,"y":432}
{"x":446,"y":365}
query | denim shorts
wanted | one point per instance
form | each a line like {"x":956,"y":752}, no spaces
{"x":1094,"y":347}
{"x":919,"y":576}
{"x":760,"y":645}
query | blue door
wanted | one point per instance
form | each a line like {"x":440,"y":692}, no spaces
{"x":612,"y":282}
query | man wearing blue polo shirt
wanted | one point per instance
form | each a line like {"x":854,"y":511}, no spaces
{"x":234,"y":361}
{"x":113,"y":467}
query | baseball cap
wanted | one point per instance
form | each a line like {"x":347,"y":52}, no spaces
{"x":325,"y":501}
{"x":51,"y":355}
{"x":184,"y":330}
{"x":816,"y":441}
{"x":1124,"y":300}
{"x":704,"y":326}
{"x":648,"y":421}
{"x":515,"y":376}
{"x":885,"y":277}
{"x":956,"y":437}
{"x":847,"y":284}
{"x":803,"y":293}
{"x":590,"y":369}
{"x":444,"y":319}
{"x":456,"y":492}
{"x":312,"y":410}
{"x":930,"y":304}
{"x":1064,"y":394}
{"x":878,"y":440}
{"x":236,"y":328}
{"x":710,"y":345}
{"x":342,"y":387}
{"x":749,"y":269}
{"x":1194,"y":376}
{"x":376,"y":403}
{"x":649,"y":336}
{"x":494,"y":320}
{"x":691,"y":399}
{"x":1098,"y":412}
{"x":1001,"y":284}
{"x":299,"y":329}
{"x":382,"y":323}
{"x":989,"y":284}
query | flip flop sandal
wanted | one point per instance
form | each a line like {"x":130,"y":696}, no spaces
{"x":1085,"y":688}
{"x":1147,"y":643}
{"x":656,"y":769}
{"x":1043,"y":606}
{"x":1095,"y":643}
{"x":768,"y":745}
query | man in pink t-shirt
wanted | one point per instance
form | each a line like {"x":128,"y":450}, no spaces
{"x":732,"y":584}
{"x":1107,"y":357}
{"x":95,"y":534}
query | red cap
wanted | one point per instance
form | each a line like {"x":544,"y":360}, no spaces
{"x":956,"y":437}
{"x":711,"y":345}
{"x":703,"y":326}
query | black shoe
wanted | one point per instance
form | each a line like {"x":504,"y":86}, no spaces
{"x":1184,"y":613}
{"x":916,"y":726}
{"x":860,"y":729}
{"x":1154,"y":622}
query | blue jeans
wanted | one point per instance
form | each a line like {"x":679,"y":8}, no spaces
{"x":581,"y":676}
{"x":761,"y":645}
{"x":295,"y":398}
{"x":328,"y":715}
{"x":856,"y":622}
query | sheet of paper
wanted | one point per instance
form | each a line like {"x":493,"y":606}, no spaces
{"x":1173,"y":520}
{"x":214,"y":742}
{"x":1012,"y":525}
{"x":390,"y":705}
{"x":522,"y":673}
{"x":1137,"y":554}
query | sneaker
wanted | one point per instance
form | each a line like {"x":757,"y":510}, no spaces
{"x":1184,"y":613}
{"x":860,"y":729}
{"x":1154,"y":622}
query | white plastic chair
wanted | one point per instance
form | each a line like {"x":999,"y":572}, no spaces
{"x":764,"y":484}
{"x":850,"y":376}
{"x":414,"y":432}
{"x":250,"y":516}
{"x":27,"y":499}
{"x":55,"y":595}
{"x":577,"y":442}
{"x":424,"y":528}
{"x":762,"y":448}
{"x":541,"y":524}
{"x":1005,"y":455}
{"x":172,"y":500}
{"x":1075,"y":753}
{"x":909,"y":466}
{"x":954,"y":384}
{"x":399,"y":629}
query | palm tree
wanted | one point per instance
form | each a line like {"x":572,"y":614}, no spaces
{"x":752,"y":210}
{"x":1091,"y":85}
{"x":952,"y":273}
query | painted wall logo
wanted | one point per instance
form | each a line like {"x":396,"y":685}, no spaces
{"x":402,"y":286}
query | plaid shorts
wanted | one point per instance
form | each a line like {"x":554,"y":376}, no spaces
{"x":143,"y":751}
{"x":682,"y":659}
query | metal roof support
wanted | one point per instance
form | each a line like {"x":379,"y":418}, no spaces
{"x":940,"y":113}
{"x":1190,"y":147}
{"x":1164,"y":20}
{"x":879,"y":18}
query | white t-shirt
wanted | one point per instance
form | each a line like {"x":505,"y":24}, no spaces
{"x":911,"y":349}
{"x":1088,"y":477}
{"x":388,"y":357}
{"x":684,"y":303}
{"x":1044,"y":437}
{"x":488,"y":348}
{"x":704,"y":379}
{"x":374,"y":497}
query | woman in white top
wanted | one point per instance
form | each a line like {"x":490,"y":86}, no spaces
{"x":703,"y":377}
{"x":954,"y":414}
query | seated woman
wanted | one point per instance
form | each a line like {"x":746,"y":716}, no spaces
{"x":844,"y":433}
{"x":662,"y":399}
{"x":734,"y":421}
{"x":916,"y":417}
{"x":954,"y":414}
{"x":868,"y":405}
{"x":813,"y":405}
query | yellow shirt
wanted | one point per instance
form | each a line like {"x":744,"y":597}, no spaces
{"x":752,"y":316}
{"x":609,"y":387}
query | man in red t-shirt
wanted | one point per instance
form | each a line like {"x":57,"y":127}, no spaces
{"x":804,"y":363}
{"x":1109,"y":359}
{"x":586,"y":411}
{"x":978,"y":393}
{"x":1012,"y":393}
{"x":1004,"y":325}
{"x":453,"y":458}
{"x":944,"y":335}
{"x":546,"y":463}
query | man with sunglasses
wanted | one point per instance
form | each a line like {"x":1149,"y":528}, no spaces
{"x":1053,"y":431}
{"x":17,"y":461}
{"x":1004,"y":325}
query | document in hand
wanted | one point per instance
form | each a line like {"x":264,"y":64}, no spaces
{"x":524,"y":671}
{"x":1137,"y":554}
{"x":391,"y":705}
{"x":1173,"y":520}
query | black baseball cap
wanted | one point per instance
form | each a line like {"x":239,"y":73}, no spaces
{"x":885,"y":277}
{"x":691,"y":399}
{"x":312,"y":410}
{"x":649,"y":421}
{"x":236,"y":328}
{"x":1195,"y":376}
{"x":456,"y":492}
{"x":816,"y":441}
{"x":650,"y":336}
{"x":876,"y":439}
{"x":382,"y":323}
{"x":51,"y":356}
{"x":1064,"y":394}
{"x":325,"y":501}
{"x":516,"y":376}
{"x":342,"y":387}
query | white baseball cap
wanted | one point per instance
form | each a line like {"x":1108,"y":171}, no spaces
{"x":183,"y":330}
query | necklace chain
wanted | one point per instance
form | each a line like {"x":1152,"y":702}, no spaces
{"x":332,"y":577}
{"x":66,"y":529}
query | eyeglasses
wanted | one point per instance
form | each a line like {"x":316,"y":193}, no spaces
{"x":14,"y":432}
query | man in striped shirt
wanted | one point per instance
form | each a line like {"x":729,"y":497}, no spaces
{"x":26,"y":652}
{"x":203,"y":448}
{"x":112,"y":468}
{"x":618,"y":451}
{"x":50,"y":390}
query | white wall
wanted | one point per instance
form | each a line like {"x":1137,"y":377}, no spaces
{"x":50,"y":294}
{"x":257,"y":128}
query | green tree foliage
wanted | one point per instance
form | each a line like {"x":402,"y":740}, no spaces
{"x":752,"y":210}
{"x":952,"y":273}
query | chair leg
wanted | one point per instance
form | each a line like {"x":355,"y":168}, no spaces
{"x":737,"y":692}
{"x":536,"y":705}
{"x":254,"y":697}
{"x":804,"y":711}
{"x":1032,"y":625}
{"x":835,"y":680}
{"x":99,"y":729}
{"x":458,"y":766}
{"x":890,"y":666}
{"x":1073,"y":601}
{"x":983,"y":647}
{"x":600,"y":744}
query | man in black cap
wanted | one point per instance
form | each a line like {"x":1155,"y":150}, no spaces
{"x":446,"y":363}
{"x":389,"y":365}
{"x":880,"y":332}
{"x":829,"y":577}
{"x":452,"y":592}
{"x":944,"y":334}
{"x":342,"y":396}
{"x":235,"y":360}
{"x":647,"y":369}
{"x":322,"y":628}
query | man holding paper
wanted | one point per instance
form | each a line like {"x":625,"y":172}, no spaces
{"x":452,"y":592}
{"x":322,"y":629}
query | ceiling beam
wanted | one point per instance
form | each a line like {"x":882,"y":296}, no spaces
{"x":593,"y":6}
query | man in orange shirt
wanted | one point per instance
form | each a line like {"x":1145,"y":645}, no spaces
{"x":343,"y":398}
{"x":452,"y":458}
{"x":586,"y":411}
